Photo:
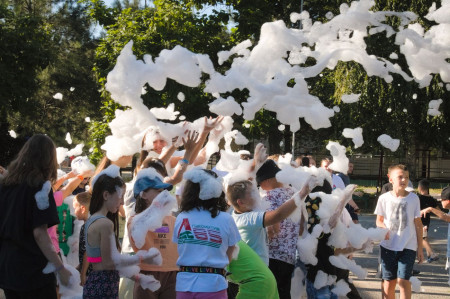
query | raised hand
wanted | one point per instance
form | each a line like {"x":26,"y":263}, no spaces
{"x":211,"y":123}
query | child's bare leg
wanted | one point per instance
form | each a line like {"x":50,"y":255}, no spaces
{"x":427,"y":247}
{"x":405,"y":288}
{"x":388,"y":289}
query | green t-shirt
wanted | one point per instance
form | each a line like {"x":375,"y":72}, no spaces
{"x":65,"y":227}
{"x":253,"y":276}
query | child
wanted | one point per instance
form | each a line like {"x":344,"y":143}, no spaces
{"x":25,"y":245}
{"x":102,"y":233}
{"x":149,"y":184}
{"x":252,"y":224}
{"x":399,"y":211}
{"x":427,"y":201}
{"x":81,"y":204}
{"x":205,"y":235}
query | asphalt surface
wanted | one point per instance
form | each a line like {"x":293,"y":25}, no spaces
{"x":434,"y":277}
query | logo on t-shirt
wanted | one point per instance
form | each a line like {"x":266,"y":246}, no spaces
{"x":199,"y":234}
{"x":399,"y":216}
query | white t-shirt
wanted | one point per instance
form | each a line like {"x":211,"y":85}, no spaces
{"x":399,"y":214}
{"x":203,"y":242}
{"x":251,"y":228}
{"x":337,"y":182}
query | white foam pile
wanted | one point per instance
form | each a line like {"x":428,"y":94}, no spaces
{"x":41,"y":196}
{"x":76,"y":151}
{"x":73,"y":290}
{"x":210,"y":187}
{"x":275,"y":60}
{"x":151,"y":218}
{"x":389,"y":142}
{"x":111,"y":171}
{"x":82,"y":164}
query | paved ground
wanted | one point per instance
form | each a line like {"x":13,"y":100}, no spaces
{"x":433,"y":276}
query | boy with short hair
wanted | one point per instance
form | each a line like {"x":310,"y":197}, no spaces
{"x":399,"y":211}
{"x":81,"y":204}
{"x":427,"y":201}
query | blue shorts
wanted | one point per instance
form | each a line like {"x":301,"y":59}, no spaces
{"x":397,"y":264}
{"x":322,"y":293}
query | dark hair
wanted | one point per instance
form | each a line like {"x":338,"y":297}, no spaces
{"x":237,"y":190}
{"x":190,"y":199}
{"x":36,"y":163}
{"x":109,"y":184}
{"x":84,"y":199}
{"x":424,"y":184}
{"x":102,"y":165}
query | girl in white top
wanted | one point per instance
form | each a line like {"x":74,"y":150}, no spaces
{"x":205,"y":235}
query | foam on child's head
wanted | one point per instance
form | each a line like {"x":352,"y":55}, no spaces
{"x":153,"y":133}
{"x":210,"y":186}
{"x":112,"y":171}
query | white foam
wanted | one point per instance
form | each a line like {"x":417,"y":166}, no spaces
{"x":355,"y":134}
{"x":388,"y":142}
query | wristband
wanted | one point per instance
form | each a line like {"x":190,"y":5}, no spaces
{"x":59,"y":268}
{"x":136,"y":278}
{"x":184,"y":161}
{"x":80,"y":177}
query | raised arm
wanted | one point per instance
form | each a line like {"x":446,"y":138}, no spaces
{"x":286,"y":209}
{"x":441,"y":215}
{"x":189,"y":144}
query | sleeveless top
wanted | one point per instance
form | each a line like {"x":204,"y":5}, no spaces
{"x":93,"y":253}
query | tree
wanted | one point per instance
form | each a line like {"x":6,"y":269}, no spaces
{"x":153,"y":29}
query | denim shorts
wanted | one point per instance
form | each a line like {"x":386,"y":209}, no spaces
{"x":397,"y":264}
{"x":322,"y":293}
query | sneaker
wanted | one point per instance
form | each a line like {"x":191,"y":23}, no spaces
{"x":416,"y":272}
{"x":433,"y":258}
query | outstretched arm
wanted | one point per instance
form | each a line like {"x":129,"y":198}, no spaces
{"x":436,"y":212}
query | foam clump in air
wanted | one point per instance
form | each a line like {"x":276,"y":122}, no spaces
{"x":433,"y":107}
{"x":112,"y":171}
{"x":12,"y":134}
{"x":240,"y":49}
{"x":58,"y":96}
{"x":151,"y":218}
{"x":61,"y":154}
{"x":355,"y":135}
{"x":82,"y":164}
{"x":68,"y":138}
{"x":42,"y":196}
{"x":393,"y":56}
{"x":210,"y":187}
{"x":72,"y":89}
{"x":388,"y":142}
{"x":168,"y":113}
{"x":181,"y":97}
{"x":350,"y":98}
{"x":76,"y":151}
{"x":340,"y":160}
{"x":226,"y":107}
{"x":87,"y":119}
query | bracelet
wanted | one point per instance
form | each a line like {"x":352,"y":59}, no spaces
{"x":59,"y":268}
{"x":136,"y":278}
{"x":184,"y":161}
{"x":80,"y":177}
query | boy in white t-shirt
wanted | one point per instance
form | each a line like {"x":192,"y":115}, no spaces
{"x":399,"y":211}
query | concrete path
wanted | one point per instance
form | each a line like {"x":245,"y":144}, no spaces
{"x":433,"y":276}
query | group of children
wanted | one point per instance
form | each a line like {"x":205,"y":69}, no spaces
{"x":213,"y":237}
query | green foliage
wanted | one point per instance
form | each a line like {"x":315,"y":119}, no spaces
{"x":153,"y":29}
